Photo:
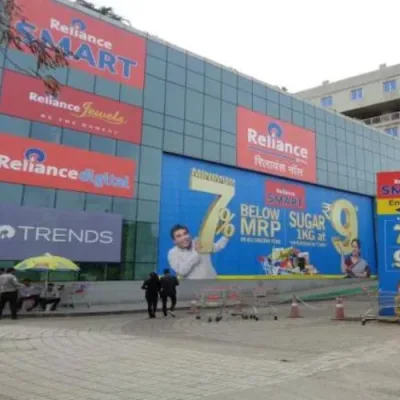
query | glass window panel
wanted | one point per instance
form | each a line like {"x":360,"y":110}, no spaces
{"x":38,"y":197}
{"x":214,"y":72}
{"x":309,"y":109}
{"x":245,"y":99}
{"x":175,"y":102}
{"x":228,"y":155}
{"x":212,"y":112}
{"x":125,"y":207}
{"x":213,"y":88}
{"x":11,"y":194}
{"x":298,"y":118}
{"x":128,"y":150}
{"x":156,"y":67}
{"x":228,"y":139}
{"x":150,"y":165}
{"x":193,"y":147}
{"x":173,"y":142}
{"x":229,"y":94}
{"x":229,"y":78}
{"x":193,"y":129}
{"x":72,"y":138}
{"x":16,"y":126}
{"x":107,"y":88}
{"x":285,"y":114}
{"x":95,"y":202}
{"x":285,"y":100}
{"x":195,"y":64}
{"x":245,"y":84}
{"x":153,"y":118}
{"x":149,"y":192}
{"x":297,"y":105}
{"x":176,"y":74}
{"x":154,"y":94}
{"x":194,"y":106}
{"x":174,"y":124}
{"x":195,"y":81}
{"x":81,"y":80}
{"x":272,"y":109}
{"x":45,"y":132}
{"x":103,"y":145}
{"x":212,"y":135}
{"x":309,"y":123}
{"x":272,"y":95}
{"x":152,"y":136}
{"x":176,"y":57}
{"x":131,"y":95}
{"x":148,"y":211}
{"x":156,"y":49}
{"x":259,"y":105}
{"x":70,"y":200}
{"x":211,"y":151}
{"x":228,"y":117}
{"x":259,"y":90}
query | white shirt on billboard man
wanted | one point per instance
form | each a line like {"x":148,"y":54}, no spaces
{"x":186,"y":260}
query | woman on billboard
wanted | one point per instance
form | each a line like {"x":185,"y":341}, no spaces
{"x":354,"y":266}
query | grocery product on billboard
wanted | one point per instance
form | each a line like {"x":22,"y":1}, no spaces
{"x":275,"y":147}
{"x":43,"y":164}
{"x":92,"y":45}
{"x":220,"y":222}
{"x":79,"y":236}
{"x":388,"y":221}
{"x":25,"y":97}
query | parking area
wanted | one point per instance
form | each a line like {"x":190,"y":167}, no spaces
{"x":131,"y":357}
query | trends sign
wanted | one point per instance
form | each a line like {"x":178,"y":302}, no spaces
{"x":78,"y":236}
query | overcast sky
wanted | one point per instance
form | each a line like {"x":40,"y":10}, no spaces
{"x":292,"y":43}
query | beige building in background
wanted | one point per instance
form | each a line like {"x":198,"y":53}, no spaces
{"x":373,"y":97}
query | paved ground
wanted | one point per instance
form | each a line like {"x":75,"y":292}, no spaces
{"x":131,"y":357}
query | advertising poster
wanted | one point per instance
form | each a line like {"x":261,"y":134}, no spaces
{"x":25,"y":97}
{"x":93,"y":46}
{"x":43,"y":164}
{"x":268,"y":145}
{"x":388,"y":216}
{"x":79,"y":236}
{"x":220,"y":222}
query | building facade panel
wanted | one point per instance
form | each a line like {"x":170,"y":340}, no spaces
{"x":189,"y":109}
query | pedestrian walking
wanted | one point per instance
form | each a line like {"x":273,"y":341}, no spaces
{"x":168,"y":290}
{"x":152,"y":288}
{"x":9,"y":287}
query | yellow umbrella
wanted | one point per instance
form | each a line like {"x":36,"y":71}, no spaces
{"x":47,"y":263}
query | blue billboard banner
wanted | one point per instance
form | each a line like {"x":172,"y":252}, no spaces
{"x":221,"y":222}
{"x":79,"y":236}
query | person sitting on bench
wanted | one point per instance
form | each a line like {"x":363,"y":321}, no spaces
{"x":50,"y":295}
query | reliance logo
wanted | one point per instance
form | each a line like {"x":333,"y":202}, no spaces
{"x":273,"y":141}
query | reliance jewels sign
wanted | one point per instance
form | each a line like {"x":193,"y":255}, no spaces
{"x":79,"y":236}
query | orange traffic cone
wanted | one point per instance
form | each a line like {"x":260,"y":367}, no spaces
{"x":339,"y":309}
{"x":294,"y":309}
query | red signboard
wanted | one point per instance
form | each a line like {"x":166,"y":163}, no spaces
{"x":274,"y":147}
{"x":25,"y":97}
{"x":93,"y":46}
{"x":387,"y":185}
{"x":37,"y":163}
{"x":285,"y":195}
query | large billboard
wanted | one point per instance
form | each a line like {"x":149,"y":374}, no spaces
{"x":93,"y":45}
{"x":43,"y":164}
{"x":271,"y":146}
{"x":223,"y":222}
{"x":79,"y":236}
{"x":25,"y":97}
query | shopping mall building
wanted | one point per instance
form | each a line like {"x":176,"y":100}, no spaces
{"x":145,"y":136}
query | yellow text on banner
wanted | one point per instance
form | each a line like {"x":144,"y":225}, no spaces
{"x":388,"y":206}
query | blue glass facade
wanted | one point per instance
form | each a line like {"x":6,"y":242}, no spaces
{"x":189,"y":109}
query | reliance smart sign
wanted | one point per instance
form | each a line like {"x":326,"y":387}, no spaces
{"x":274,"y":147}
{"x":25,"y":97}
{"x":37,"y":163}
{"x":79,"y":236}
{"x":93,"y":46}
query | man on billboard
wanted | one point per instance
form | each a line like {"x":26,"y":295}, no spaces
{"x":186,"y":258}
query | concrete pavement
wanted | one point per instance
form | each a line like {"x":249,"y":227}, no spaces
{"x":131,"y":357}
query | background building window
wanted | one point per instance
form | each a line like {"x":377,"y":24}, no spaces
{"x":356,"y":94}
{"x":390,"y":86}
{"x":326,"y":101}
{"x":393,"y":131}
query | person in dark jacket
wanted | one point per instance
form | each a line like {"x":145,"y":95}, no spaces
{"x":168,"y":290}
{"x":152,"y":288}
